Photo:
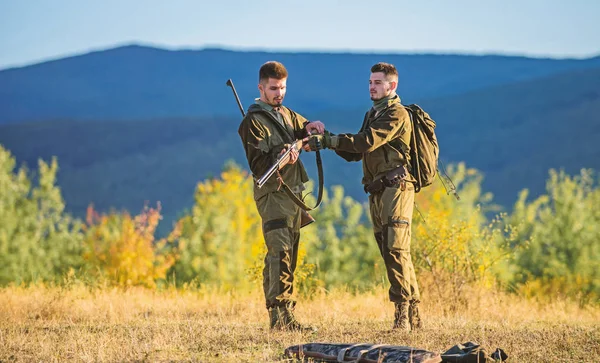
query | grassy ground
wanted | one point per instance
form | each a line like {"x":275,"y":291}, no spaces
{"x":76,"y":323}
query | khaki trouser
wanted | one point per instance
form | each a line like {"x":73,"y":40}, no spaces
{"x":281,"y":230}
{"x":391,"y":212}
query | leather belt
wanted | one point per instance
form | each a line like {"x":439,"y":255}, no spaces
{"x":392,"y":178}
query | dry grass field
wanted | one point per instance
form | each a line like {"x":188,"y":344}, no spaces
{"x":82,"y":324}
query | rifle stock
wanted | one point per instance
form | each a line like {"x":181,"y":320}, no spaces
{"x":305,"y":218}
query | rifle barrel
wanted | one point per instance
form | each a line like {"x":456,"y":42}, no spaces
{"x":230,"y":84}
{"x":263,"y":179}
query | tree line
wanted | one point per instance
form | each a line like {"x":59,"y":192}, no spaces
{"x":546,"y":247}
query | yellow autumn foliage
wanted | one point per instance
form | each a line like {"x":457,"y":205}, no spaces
{"x":221,"y":240}
{"x":121,"y":249}
{"x":454,"y":245}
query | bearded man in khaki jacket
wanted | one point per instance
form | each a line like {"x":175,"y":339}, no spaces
{"x":383,"y":145}
{"x":266,"y":131}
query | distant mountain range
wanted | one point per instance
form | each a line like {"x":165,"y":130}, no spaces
{"x":135,"y":123}
{"x":135,"y":82}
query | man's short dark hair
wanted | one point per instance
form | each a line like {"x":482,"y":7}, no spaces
{"x":272,"y":69}
{"x":386,"y":68}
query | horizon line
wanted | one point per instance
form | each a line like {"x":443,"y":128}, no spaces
{"x":240,"y":49}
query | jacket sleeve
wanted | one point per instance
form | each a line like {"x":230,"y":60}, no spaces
{"x":254,"y":136}
{"x":299,"y":123}
{"x":349,"y":156}
{"x":393,"y":122}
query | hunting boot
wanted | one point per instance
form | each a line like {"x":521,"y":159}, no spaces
{"x":275,"y":315}
{"x":293,"y":324}
{"x":413,"y":315}
{"x":282,"y":318}
{"x":401,"y":316}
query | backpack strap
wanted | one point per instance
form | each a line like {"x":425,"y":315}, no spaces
{"x":341,"y":357}
{"x":363,"y":353}
{"x":415,"y":170}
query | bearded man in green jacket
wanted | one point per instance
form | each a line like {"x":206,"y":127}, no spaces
{"x":383,"y":145}
{"x":267,"y":130}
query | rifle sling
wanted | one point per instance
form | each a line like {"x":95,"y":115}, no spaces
{"x":286,"y":188}
{"x":299,"y":201}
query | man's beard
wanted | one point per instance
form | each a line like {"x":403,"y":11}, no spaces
{"x":375,"y":98}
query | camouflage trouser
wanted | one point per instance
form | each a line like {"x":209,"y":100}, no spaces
{"x":281,"y":230}
{"x":391,"y":212}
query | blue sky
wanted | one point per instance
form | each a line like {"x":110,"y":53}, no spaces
{"x":35,"y":30}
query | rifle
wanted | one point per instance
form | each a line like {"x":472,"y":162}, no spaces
{"x":279,"y":163}
{"x":306,"y":218}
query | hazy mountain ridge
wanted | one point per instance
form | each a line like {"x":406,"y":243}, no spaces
{"x":136,"y":82}
{"x":513,"y":132}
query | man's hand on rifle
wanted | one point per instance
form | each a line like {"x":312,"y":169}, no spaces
{"x":315,"y":127}
{"x":291,"y":158}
